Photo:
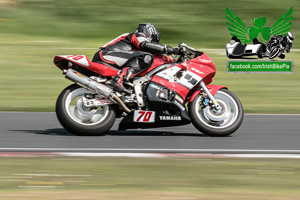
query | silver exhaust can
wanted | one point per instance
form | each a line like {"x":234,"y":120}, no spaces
{"x":85,"y":81}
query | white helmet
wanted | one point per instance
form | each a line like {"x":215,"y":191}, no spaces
{"x":290,"y":36}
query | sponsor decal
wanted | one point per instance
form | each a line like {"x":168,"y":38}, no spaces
{"x":103,"y":101}
{"x":144,"y":116}
{"x":170,"y":118}
{"x":196,"y":70}
{"x":205,"y":61}
{"x":75,"y":57}
{"x":178,"y":98}
{"x":79,"y":59}
{"x":78,"y":74}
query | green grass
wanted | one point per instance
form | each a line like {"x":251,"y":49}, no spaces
{"x":33,"y":32}
{"x":201,"y":23}
{"x":131,"y":178}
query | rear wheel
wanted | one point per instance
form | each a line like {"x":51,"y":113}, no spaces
{"x":217,"y":123}
{"x":80,"y":120}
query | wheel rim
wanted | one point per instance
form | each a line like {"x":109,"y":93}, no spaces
{"x":79,"y":113}
{"x":222,"y":119}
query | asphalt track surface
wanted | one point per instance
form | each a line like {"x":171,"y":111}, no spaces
{"x":41,"y":132}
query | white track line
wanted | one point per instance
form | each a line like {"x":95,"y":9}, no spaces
{"x":53,"y":150}
{"x":192,"y":153}
{"x":155,"y":155}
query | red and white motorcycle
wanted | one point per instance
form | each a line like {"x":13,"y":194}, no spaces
{"x":170,"y":93}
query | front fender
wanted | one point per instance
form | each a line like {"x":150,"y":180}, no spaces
{"x":212,"y":88}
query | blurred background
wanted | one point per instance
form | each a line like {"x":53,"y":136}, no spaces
{"x":32,"y":32}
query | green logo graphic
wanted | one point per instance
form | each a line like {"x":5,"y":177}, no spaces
{"x":237,"y":28}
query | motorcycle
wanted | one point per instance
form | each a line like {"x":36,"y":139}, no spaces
{"x":172,"y":92}
{"x":275,"y":50}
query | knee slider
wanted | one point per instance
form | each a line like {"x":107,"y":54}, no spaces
{"x":148,"y":59}
{"x":142,"y":62}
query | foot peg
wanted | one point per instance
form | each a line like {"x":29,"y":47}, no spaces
{"x":129,"y":84}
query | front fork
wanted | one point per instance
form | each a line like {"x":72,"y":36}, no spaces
{"x":211,"y":98}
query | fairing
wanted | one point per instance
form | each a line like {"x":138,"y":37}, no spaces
{"x":202,"y":66}
{"x":83,"y":61}
{"x":187,"y":75}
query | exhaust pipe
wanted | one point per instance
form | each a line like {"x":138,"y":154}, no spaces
{"x":88,"y":83}
{"x":98,"y":88}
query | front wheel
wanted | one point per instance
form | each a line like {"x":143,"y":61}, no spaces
{"x":217,"y":123}
{"x":79,"y":120}
{"x":274,"y":52}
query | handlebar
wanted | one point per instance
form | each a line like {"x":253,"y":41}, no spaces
{"x":181,"y":44}
{"x":188,"y":53}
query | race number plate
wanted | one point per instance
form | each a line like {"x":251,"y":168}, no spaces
{"x":144,"y":116}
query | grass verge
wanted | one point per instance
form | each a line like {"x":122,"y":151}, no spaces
{"x":148,"y":178}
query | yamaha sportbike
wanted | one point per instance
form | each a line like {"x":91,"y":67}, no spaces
{"x":172,"y":92}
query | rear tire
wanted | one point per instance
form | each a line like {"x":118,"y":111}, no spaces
{"x":221,"y":124}
{"x":79,"y":120}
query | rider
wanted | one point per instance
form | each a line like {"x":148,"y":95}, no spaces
{"x":282,"y":42}
{"x":133,"y":53}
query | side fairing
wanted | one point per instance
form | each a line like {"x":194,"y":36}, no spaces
{"x":177,"y":78}
{"x":63,"y":62}
{"x":81,"y":60}
{"x":203,"y":66}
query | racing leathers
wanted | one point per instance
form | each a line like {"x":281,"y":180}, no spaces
{"x":133,"y":53}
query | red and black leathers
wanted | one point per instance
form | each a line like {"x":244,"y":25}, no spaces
{"x":120,"y":51}
{"x":133,"y":51}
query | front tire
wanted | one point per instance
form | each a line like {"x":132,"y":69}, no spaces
{"x":221,"y":123}
{"x":79,"y":120}
{"x":274,"y":52}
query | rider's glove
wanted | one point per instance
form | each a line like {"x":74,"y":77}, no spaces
{"x":181,"y":50}
{"x":288,"y":47}
{"x":170,"y":50}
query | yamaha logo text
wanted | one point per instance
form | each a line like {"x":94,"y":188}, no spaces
{"x":174,"y":118}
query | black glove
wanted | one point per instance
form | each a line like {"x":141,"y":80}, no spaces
{"x":181,"y":50}
{"x":288,"y":47}
{"x":170,"y":50}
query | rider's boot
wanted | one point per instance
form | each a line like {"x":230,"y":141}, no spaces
{"x":123,"y":76}
{"x":282,"y":56}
